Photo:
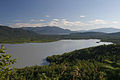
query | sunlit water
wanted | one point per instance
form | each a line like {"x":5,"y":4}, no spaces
{"x":30,"y":54}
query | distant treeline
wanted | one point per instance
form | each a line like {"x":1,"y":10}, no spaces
{"x":19,"y":35}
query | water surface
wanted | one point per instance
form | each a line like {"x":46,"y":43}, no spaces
{"x":30,"y":54}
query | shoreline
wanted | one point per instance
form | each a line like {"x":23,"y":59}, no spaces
{"x":28,"y":42}
{"x":46,"y":41}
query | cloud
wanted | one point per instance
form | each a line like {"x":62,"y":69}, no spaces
{"x":63,"y":23}
{"x":32,"y":20}
{"x":26,"y":25}
{"x":17,"y":20}
{"x":115,"y":22}
{"x":73,"y":25}
{"x":47,"y":16}
{"x":98,"y":21}
{"x":42,"y":20}
{"x":55,"y":19}
{"x":82,"y":16}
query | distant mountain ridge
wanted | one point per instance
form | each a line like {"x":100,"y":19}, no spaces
{"x":9,"y":35}
{"x":48,"y":30}
{"x":15,"y":32}
{"x":16,"y":35}
{"x":104,"y":30}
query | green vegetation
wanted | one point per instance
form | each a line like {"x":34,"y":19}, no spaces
{"x":95,"y":63}
{"x":105,"y":37}
{"x":19,"y":35}
{"x":5,"y":64}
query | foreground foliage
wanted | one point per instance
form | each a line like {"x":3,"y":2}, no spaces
{"x":95,"y":63}
{"x":5,"y":64}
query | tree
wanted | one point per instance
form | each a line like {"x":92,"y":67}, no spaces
{"x":5,"y":64}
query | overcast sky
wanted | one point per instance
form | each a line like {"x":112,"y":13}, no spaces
{"x":68,"y":14}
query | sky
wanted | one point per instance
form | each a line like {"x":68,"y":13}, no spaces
{"x":67,"y":14}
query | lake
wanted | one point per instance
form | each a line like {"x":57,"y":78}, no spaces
{"x":30,"y":54}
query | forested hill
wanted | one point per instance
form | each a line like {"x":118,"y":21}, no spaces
{"x":6,"y":31}
{"x":95,"y":34}
{"x":95,"y":63}
{"x":49,"y":30}
{"x":99,"y":53}
{"x":106,"y":37}
{"x":8,"y":34}
{"x":19,"y":35}
{"x":89,"y":34}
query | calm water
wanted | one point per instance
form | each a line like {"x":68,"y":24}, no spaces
{"x":29,"y":54}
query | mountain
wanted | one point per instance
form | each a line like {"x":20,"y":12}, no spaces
{"x":48,"y":30}
{"x":104,"y":30}
{"x":88,"y":35}
{"x":114,"y":34}
{"x":32,"y":34}
{"x":16,"y":35}
{"x":6,"y":31}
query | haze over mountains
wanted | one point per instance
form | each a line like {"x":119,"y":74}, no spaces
{"x":49,"y":30}
{"x":53,"y":30}
{"x":104,"y":30}
{"x":47,"y":33}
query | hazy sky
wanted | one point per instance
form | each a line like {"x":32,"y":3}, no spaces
{"x":69,"y":14}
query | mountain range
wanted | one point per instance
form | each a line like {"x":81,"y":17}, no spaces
{"x":104,"y":30}
{"x":33,"y":34}
{"x":15,"y":32}
{"x":53,"y":30}
{"x":16,"y":35}
{"x":49,"y":30}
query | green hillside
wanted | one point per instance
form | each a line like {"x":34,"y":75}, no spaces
{"x":18,"y":35}
{"x":95,"y":63}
